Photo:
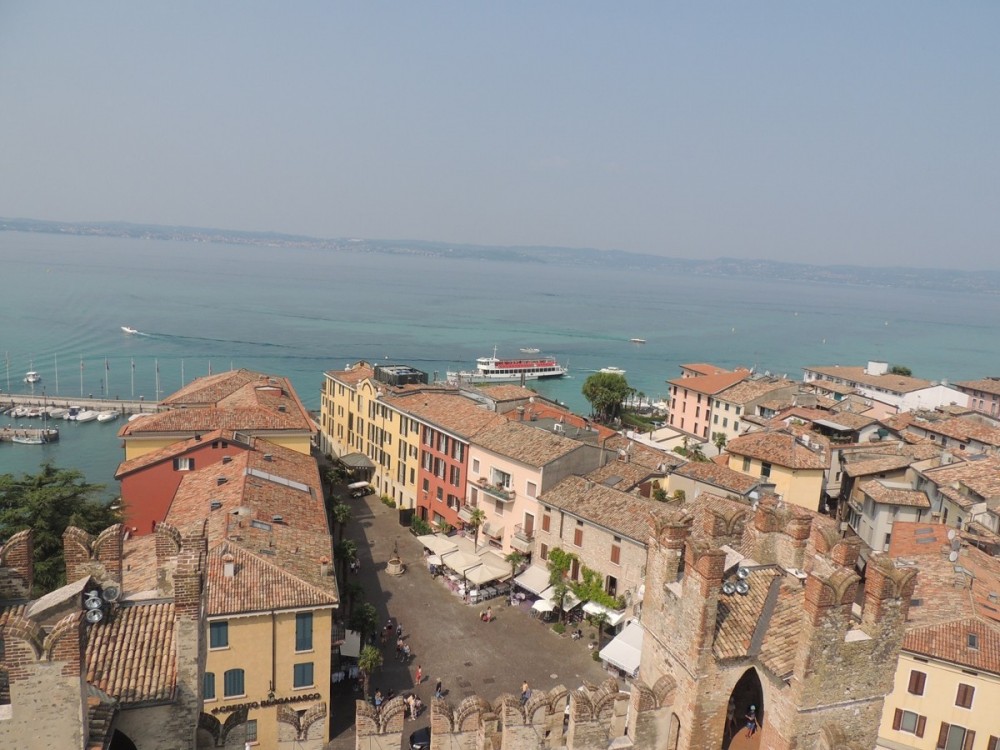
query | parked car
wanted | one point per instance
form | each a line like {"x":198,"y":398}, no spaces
{"x":421,"y":739}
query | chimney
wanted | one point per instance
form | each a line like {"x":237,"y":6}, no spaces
{"x":197,"y":438}
{"x":325,"y":568}
{"x":229,"y":565}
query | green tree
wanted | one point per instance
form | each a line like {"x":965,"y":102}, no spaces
{"x":660,"y":495}
{"x":369,"y":660}
{"x":48,"y":502}
{"x":345,"y":552}
{"x":364,"y":619}
{"x":355,"y":593}
{"x":719,"y":440}
{"x":900,"y":370}
{"x":559,"y":563}
{"x":606,"y":392}
{"x":476,"y":520}
{"x":341,"y":514}
{"x":514,"y":559}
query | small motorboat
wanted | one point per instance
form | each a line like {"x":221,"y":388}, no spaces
{"x":613,"y":370}
{"x":72,"y":412}
{"x":87,"y":415}
{"x":129,"y":330}
{"x":638,"y":341}
{"x":55,"y":413}
{"x":107,"y":416}
{"x":32,"y":377}
{"x":27,"y":440}
{"x":530,"y":350}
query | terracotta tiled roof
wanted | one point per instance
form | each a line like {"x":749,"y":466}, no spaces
{"x":830,"y":386}
{"x":703,"y":368}
{"x":781,"y":640}
{"x":779,"y":448}
{"x":888,"y":495}
{"x":131,"y":655}
{"x":985,"y":385}
{"x":961,"y":429}
{"x":507,"y":392}
{"x":950,"y":641}
{"x":261,"y":583}
{"x":351,"y":377}
{"x":876,"y":465}
{"x":737,"y":617}
{"x":982,"y":476}
{"x":209,"y":390}
{"x":621,"y":475}
{"x":182,"y":421}
{"x":722,"y":477}
{"x":621,"y":513}
{"x":889,"y":382}
{"x":139,"y":569}
{"x":750,"y":389}
{"x":448,"y":411}
{"x":962,"y":501}
{"x":642,"y":454}
{"x":170,"y":452}
{"x":711,"y":384}
{"x":527,"y":445}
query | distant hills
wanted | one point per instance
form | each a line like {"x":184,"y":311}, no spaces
{"x":900,"y":277}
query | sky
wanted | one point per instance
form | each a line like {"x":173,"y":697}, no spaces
{"x":852,"y":132}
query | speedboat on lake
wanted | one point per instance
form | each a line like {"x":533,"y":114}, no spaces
{"x":130,"y":330}
{"x":87,"y":415}
{"x":107,"y":416}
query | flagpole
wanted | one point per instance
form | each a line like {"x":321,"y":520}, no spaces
{"x":6,"y":359}
{"x":107,"y":379}
{"x":157,"y":380}
{"x":182,"y":373}
{"x":133,"y":378}
{"x":81,"y":376}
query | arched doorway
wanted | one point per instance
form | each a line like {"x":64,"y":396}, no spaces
{"x":747,"y":692}
{"x":120,"y":741}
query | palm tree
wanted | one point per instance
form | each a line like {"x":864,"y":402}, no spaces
{"x":341,"y":515}
{"x":369,"y":660}
{"x":719,"y":439}
{"x":346,"y":552}
{"x":514,"y":559}
{"x":476,"y":519}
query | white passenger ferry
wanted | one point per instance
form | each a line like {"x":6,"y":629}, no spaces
{"x":494,"y":369}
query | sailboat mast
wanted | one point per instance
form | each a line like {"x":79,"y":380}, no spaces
{"x":55,"y":361}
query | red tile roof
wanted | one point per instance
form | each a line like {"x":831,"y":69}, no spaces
{"x":886,"y":494}
{"x":449,"y":411}
{"x":527,"y":445}
{"x":722,"y":477}
{"x":619,"y":512}
{"x":779,"y":448}
{"x":889,"y":382}
{"x":170,"y":452}
{"x":711,"y":384}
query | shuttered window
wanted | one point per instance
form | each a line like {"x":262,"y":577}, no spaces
{"x":303,"y":631}
{"x":546,"y":521}
{"x":917,"y":680}
{"x":964,"y":697}
{"x":907,"y":721}
{"x":993,"y":744}
{"x":616,"y":550}
{"x":208,"y":686}
{"x":233,"y":683}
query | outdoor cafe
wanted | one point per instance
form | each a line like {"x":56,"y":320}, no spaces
{"x":475,"y":575}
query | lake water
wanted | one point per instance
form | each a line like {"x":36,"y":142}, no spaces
{"x":294,"y":312}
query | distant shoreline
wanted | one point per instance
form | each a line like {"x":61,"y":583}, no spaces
{"x":982,"y":282}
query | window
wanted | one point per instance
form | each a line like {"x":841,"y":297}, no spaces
{"x":736,"y":426}
{"x":954,"y":737}
{"x":440,"y":495}
{"x":218,"y":634}
{"x":427,"y":484}
{"x":233,"y":683}
{"x":532,"y":489}
{"x":475,"y":465}
{"x":907,"y":721}
{"x":765,"y":469}
{"x":578,"y":534}
{"x":252,"y":730}
{"x":973,"y":641}
{"x":456,"y":476}
{"x":715,"y":419}
{"x":993,"y":744}
{"x":208,"y":686}
{"x":964,"y":697}
{"x":746,"y":463}
{"x":302,"y":675}
{"x":543,"y":551}
{"x":574,"y":570}
{"x":616,"y":550}
{"x":303,"y":631}
{"x":183,"y":464}
{"x":546,"y":521}
{"x":917,"y":681}
{"x":725,"y":422}
{"x":501,"y":478}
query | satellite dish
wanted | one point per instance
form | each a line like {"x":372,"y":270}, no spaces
{"x":93,"y":600}
{"x":952,"y":556}
{"x":742,"y":588}
{"x":951,"y":533}
{"x":93,"y":616}
{"x":956,"y":544}
{"x":111,"y":593}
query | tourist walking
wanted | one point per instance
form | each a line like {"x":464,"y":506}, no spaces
{"x":525,"y":692}
{"x":438,"y":690}
{"x":420,"y":675}
{"x":751,"y":718}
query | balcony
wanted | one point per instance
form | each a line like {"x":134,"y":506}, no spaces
{"x":521,"y":539}
{"x":498,"y":492}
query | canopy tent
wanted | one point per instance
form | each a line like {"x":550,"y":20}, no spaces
{"x":625,"y":649}
{"x":535,"y":579}
{"x":434,"y":560}
{"x":439,"y":545}
{"x":570,"y":600}
{"x":490,"y":568}
{"x":612,"y":617}
{"x":460,"y":562}
{"x":543,"y":605}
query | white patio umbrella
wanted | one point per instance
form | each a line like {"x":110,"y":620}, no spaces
{"x":543,"y":605}
{"x":434,"y":560}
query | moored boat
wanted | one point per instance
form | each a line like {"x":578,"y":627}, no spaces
{"x":107,"y":416}
{"x":32,"y":377}
{"x":494,"y":369}
{"x":638,"y":341}
{"x":529,"y":350}
{"x":56,"y":413}
{"x":87,"y":415}
{"x":27,"y":439}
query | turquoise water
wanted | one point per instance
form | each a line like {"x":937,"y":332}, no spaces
{"x":299,"y":312}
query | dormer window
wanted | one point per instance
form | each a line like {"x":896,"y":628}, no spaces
{"x":973,"y":641}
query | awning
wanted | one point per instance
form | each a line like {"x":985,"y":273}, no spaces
{"x":439,"y":545}
{"x":543,"y":605}
{"x":356,"y":461}
{"x":485,"y":573}
{"x":570,"y":600}
{"x":625,"y":649}
{"x":535,"y":579}
{"x":612,"y":617}
{"x":460,"y":562}
{"x":352,"y":644}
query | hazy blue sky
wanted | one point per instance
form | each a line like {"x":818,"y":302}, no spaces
{"x":823,"y":132}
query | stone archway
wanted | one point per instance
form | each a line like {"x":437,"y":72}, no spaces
{"x":747,"y":692}
{"x":121,"y":741}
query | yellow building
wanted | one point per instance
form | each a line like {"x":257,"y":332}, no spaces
{"x":947,"y":685}
{"x":271,"y":593}
{"x":794,"y":466}
{"x":247,"y":402}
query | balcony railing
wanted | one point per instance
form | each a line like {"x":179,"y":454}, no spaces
{"x":525,"y":535}
{"x":500,"y":493}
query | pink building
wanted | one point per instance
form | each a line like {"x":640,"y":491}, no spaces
{"x":691,"y":396}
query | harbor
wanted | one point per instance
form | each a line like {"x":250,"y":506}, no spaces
{"x":28,"y":435}
{"x":43,"y":403}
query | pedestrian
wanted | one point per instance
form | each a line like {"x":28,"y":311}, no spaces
{"x":411,"y":702}
{"x":399,"y":647}
{"x":382,"y":637}
{"x":731,"y":717}
{"x":751,"y":721}
{"x":420,"y":675}
{"x":399,"y":630}
{"x":525,"y":692}
{"x":438,"y":690}
{"x":406,"y":653}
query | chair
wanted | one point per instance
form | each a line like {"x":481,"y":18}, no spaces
{"x":491,"y":592}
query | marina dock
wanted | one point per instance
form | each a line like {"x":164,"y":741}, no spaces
{"x":122,"y":406}
{"x":28,"y":435}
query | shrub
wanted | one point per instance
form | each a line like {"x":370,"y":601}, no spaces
{"x":419,"y":526}
{"x":386,"y":500}
{"x":559,"y":628}
{"x":595,"y":655}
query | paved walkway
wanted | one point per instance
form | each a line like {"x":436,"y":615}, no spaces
{"x":445,"y":635}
